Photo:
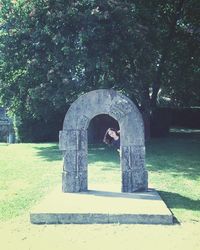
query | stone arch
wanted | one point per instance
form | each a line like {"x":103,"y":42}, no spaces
{"x":73,"y":140}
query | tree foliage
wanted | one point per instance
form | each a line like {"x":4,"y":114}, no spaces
{"x":51,"y":51}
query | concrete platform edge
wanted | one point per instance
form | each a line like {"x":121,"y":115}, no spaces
{"x":41,"y":215}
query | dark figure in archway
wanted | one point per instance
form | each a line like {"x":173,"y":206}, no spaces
{"x":112,"y":138}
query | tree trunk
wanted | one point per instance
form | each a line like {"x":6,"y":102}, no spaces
{"x":146,"y":119}
{"x":165,"y":52}
{"x":146,"y":111}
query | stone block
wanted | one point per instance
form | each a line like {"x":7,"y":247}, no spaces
{"x":69,"y":182}
{"x":73,"y":139}
{"x":133,"y":157}
{"x":74,"y":182}
{"x":133,"y":181}
{"x":83,"y":181}
{"x":82,"y":140}
{"x":120,"y":107}
{"x":137,"y":157}
{"x":83,"y":122}
{"x":68,"y":139}
{"x":75,"y":161}
{"x":70,"y":161}
{"x":82,"y":161}
{"x":141,"y":219}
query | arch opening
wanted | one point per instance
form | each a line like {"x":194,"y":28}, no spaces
{"x":104,"y":170}
{"x":98,"y":126}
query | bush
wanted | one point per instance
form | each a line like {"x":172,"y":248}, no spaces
{"x":40,"y":130}
{"x":160,"y":122}
{"x":186,"y":117}
{"x":164,"y":118}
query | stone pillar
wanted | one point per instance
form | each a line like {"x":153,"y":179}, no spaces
{"x":134,"y":175}
{"x":73,"y":143}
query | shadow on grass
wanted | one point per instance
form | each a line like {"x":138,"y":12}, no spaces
{"x":177,"y":154}
{"x":49,"y":153}
{"x":175,"y":200}
{"x":96,"y":153}
{"x":101,"y":153}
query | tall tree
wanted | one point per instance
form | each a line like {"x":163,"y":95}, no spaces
{"x":52,"y":51}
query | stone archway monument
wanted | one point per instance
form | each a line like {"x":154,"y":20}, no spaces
{"x":73,"y":140}
{"x":76,"y":204}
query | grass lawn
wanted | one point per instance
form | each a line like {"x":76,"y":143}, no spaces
{"x":29,"y":171}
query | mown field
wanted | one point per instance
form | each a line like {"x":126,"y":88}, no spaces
{"x":29,"y":171}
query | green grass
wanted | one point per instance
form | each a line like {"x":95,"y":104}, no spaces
{"x":174,"y":170}
{"x":26,"y":176}
{"x":29,"y":171}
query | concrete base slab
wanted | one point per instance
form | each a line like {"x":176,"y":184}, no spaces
{"x":101,"y":207}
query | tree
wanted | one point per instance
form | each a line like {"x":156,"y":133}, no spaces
{"x":52,"y":51}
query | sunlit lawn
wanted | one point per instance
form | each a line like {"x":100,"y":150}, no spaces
{"x":29,"y":171}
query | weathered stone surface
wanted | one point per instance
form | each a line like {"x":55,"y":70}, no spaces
{"x":75,"y":161}
{"x":120,"y":107}
{"x":73,"y":139}
{"x":68,"y":139}
{"x":82,"y":140}
{"x":69,"y":182}
{"x":74,"y":182}
{"x":83,"y":123}
{"x":133,"y":157}
{"x":135,"y":180}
